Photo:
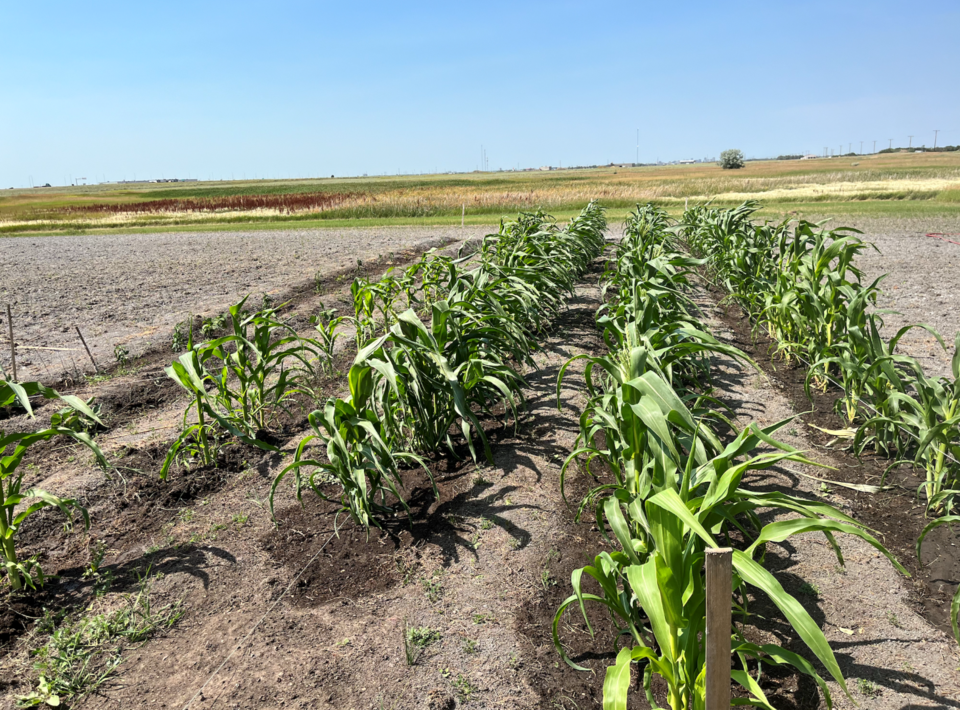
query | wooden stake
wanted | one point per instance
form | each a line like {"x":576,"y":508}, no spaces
{"x":95,"y":368}
{"x":463,"y":215}
{"x":719,"y":568}
{"x":13,"y":344}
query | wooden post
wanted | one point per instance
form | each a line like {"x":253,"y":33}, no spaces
{"x":686,"y":201}
{"x":95,"y":368}
{"x":463,"y":215}
{"x":719,"y":568}
{"x":13,"y":345}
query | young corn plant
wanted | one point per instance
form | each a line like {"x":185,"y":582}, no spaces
{"x":426,"y":380}
{"x":929,"y":419}
{"x":663,"y":572}
{"x":359,"y":458}
{"x":263,"y":360}
{"x":676,"y":490}
{"x":240,"y":397}
{"x":326,"y":324}
{"x":18,"y":505}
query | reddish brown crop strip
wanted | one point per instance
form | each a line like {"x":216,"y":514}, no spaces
{"x":297,"y":202}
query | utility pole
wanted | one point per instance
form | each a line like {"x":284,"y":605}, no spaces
{"x":861,"y":147}
{"x":638,"y":146}
{"x":935,"y":132}
{"x":850,"y":147}
{"x":874,"y":146}
{"x":911,"y":142}
{"x":891,"y":144}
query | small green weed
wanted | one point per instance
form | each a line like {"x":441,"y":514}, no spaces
{"x":80,"y":654}
{"x":121,"y":355}
{"x":481,"y":481}
{"x":415,"y":640}
{"x":433,"y":588}
{"x":423,"y":636}
{"x":866,"y":688}
{"x":465,"y":689}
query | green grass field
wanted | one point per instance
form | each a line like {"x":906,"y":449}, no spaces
{"x":889,"y":185}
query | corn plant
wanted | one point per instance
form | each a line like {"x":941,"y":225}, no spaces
{"x":371,"y":298}
{"x":426,"y":380}
{"x":663,"y":571}
{"x":817,"y":310}
{"x":199,"y":440}
{"x":28,"y":573}
{"x":326,"y":324}
{"x":930,"y":416}
{"x":262,"y":361}
{"x":359,"y":458}
{"x":675,"y":489}
{"x":241,"y":395}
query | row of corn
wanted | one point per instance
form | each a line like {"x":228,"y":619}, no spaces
{"x":800,"y":284}
{"x":667,"y":488}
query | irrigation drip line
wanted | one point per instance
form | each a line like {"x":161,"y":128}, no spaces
{"x":257,"y":625}
{"x":943,"y":237}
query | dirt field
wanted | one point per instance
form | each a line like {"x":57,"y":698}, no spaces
{"x":923,"y":286}
{"x":301,"y":618}
{"x":132,"y":289}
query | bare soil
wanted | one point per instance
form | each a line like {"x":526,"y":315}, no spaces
{"x":131,"y":289}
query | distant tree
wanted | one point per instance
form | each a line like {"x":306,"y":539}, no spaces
{"x":731,"y":159}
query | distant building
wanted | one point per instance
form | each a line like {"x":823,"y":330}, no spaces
{"x":809,"y":156}
{"x":686,"y":162}
{"x":546,"y":167}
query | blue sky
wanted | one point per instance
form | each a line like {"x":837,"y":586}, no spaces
{"x":296,"y":89}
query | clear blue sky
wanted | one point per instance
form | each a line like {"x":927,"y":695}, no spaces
{"x":294,"y":89}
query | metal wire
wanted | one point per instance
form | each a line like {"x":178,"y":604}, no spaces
{"x":257,"y":625}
